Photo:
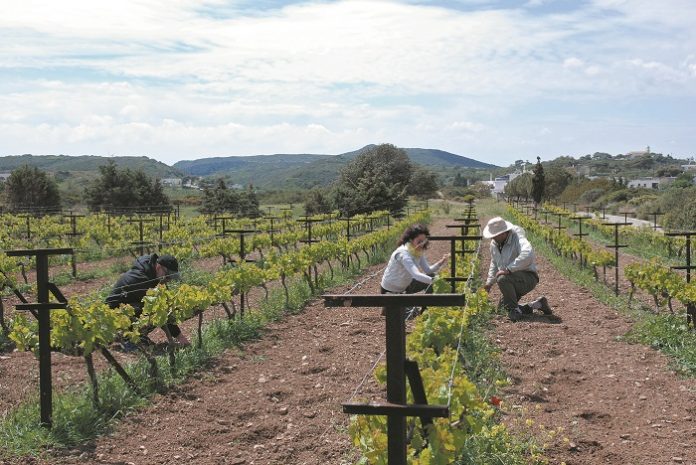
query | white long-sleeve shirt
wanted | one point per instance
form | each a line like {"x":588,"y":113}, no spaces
{"x":403,"y":268}
{"x":516,"y":255}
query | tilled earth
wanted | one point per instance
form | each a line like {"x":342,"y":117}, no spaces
{"x":277,"y":401}
{"x":617,"y":403}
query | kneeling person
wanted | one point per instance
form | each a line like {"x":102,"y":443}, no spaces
{"x":513,"y":268}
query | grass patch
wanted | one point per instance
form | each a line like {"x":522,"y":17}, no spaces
{"x":76,"y":420}
{"x":669,"y":334}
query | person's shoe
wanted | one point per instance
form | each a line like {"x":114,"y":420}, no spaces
{"x":515,"y":314}
{"x":182,"y":341}
{"x":526,"y":309}
{"x":128,"y":347}
{"x":544,"y":306}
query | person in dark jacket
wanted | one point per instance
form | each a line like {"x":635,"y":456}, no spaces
{"x":146,"y":273}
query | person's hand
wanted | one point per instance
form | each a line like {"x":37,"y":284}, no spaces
{"x":488,"y":287}
{"x":502,"y":272}
{"x":444,"y":258}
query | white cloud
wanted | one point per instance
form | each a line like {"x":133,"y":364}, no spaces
{"x":465,"y":126}
{"x":593,"y":70}
{"x":573,"y":63}
{"x":158,"y":77}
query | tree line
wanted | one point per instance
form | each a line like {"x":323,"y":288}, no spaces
{"x":382,"y":177}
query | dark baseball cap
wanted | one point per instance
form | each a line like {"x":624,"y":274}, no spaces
{"x":171,"y":264}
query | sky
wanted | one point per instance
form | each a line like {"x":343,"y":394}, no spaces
{"x":494,"y":80}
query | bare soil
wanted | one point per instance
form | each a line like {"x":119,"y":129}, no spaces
{"x":616,"y":402}
{"x":277,"y":400}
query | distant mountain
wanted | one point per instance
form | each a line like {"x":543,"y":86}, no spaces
{"x":279,"y":171}
{"x":214,"y":165}
{"x":305,"y":170}
{"x":434,"y":157}
{"x":81,"y":165}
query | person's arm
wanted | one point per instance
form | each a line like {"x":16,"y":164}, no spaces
{"x":492,"y":270}
{"x":413,"y":270}
{"x":435,"y":267}
{"x":525,"y":257}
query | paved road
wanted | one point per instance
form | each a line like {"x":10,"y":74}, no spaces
{"x":621,"y":218}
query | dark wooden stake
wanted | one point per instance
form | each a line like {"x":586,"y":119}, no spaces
{"x":616,"y":248}
{"x":43,"y":308}
{"x":396,"y":409}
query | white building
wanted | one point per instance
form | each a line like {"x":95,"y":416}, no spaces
{"x":173,"y":182}
{"x":650,"y":183}
{"x":498,"y":184}
{"x":639,"y":153}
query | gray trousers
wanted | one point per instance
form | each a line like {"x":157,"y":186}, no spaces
{"x":514,"y":285}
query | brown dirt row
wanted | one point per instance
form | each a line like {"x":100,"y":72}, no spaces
{"x":276,"y":401}
{"x":616,"y":403}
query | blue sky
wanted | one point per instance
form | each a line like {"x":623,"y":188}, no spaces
{"x":495,"y":80}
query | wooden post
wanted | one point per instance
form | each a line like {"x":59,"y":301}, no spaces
{"x":559,"y":228}
{"x":616,"y":248}
{"x":396,"y":409}
{"x":625,"y":214}
{"x":688,"y":266}
{"x":453,"y":278}
{"x":141,"y":243}
{"x":43,"y":308}
{"x":242,"y":258}
{"x":580,"y":219}
{"x":73,"y":234}
{"x":396,"y":382}
{"x":655,"y":215}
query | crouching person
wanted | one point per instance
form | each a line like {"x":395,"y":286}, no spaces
{"x":513,"y":268}
{"x":146,"y":273}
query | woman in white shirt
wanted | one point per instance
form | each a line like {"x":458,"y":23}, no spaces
{"x":408,"y":271}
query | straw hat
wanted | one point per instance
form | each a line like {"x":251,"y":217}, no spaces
{"x":496,"y":226}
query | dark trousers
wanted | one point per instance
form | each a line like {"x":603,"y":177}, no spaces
{"x":173,"y":329}
{"x":414,"y":287}
{"x":515,"y":285}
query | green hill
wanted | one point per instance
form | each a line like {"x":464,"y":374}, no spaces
{"x":279,"y":171}
{"x":65,"y":166}
{"x":305,"y":170}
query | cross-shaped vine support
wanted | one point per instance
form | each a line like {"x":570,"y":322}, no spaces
{"x":43,"y":308}
{"x":616,"y":246}
{"x":396,"y":409}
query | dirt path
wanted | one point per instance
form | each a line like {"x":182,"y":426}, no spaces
{"x":617,"y":403}
{"x":278,"y":401}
